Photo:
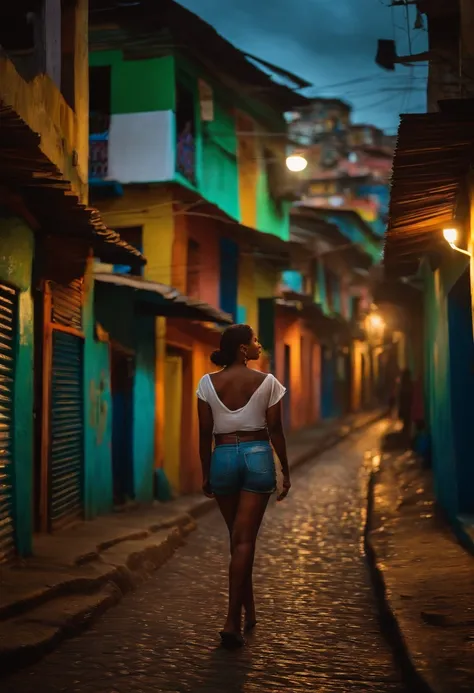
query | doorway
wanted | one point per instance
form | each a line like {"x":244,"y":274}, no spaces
{"x":122,"y":368}
{"x":328,"y":383}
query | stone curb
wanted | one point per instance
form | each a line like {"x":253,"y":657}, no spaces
{"x":38,"y":626}
{"x":392,"y":630}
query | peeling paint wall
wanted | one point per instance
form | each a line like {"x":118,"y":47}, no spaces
{"x":98,"y":485}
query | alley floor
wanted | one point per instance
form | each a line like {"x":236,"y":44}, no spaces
{"x":318,"y":627}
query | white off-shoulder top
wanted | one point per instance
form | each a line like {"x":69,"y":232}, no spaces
{"x":251,"y":417}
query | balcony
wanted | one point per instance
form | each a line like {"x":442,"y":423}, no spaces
{"x":99,"y":125}
{"x":186,"y":154}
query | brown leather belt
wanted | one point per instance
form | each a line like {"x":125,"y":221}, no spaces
{"x":240,"y":437}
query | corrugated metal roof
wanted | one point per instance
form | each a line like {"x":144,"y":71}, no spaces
{"x":147,"y":28}
{"x":50,"y":197}
{"x":165,"y":300}
{"x":432,"y":158}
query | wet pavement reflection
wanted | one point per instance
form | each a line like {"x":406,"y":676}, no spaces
{"x":318,"y":629}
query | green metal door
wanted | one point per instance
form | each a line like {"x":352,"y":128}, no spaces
{"x":8,"y":332}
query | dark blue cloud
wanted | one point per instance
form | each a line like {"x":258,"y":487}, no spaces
{"x":329,"y":42}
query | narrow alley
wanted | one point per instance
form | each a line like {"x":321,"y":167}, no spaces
{"x":318,"y":627}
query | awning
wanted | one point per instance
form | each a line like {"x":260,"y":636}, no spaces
{"x":49,"y":197}
{"x":164,"y":300}
{"x":432,"y":158}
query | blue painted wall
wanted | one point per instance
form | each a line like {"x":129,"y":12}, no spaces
{"x":16,"y":262}
{"x":115,"y":310}
{"x":293,"y":280}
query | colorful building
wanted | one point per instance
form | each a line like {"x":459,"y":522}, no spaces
{"x":54,"y":391}
{"x":427,"y":199}
{"x":189,"y":166}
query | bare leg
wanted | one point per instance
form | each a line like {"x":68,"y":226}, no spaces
{"x":228,"y":506}
{"x":248,"y":519}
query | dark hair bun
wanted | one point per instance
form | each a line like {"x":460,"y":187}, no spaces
{"x":218,"y":358}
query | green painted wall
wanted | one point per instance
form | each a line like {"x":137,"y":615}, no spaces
{"x":270,"y":218}
{"x":218,"y":174}
{"x":16,"y":262}
{"x":115,"y":310}
{"x":138,"y":86}
{"x":98,"y":485}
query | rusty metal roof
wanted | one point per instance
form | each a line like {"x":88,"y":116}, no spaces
{"x":432,"y":158}
{"x":146,"y":29}
{"x":164,"y":300}
{"x":49,"y":197}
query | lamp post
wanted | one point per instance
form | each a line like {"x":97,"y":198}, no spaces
{"x":451,"y":236}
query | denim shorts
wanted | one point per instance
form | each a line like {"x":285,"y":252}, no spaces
{"x":245,"y":466}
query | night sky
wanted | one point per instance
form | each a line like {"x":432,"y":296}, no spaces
{"x":330,"y":43}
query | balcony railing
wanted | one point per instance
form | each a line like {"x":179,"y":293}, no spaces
{"x":186,"y":154}
{"x":99,"y":146}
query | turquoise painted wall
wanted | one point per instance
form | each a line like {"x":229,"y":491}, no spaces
{"x":320,"y":294}
{"x":439,"y":380}
{"x":144,"y":407}
{"x":98,"y":486}
{"x":270,"y":217}
{"x":16,"y":262}
{"x":115,"y":311}
{"x":218,"y":175}
{"x":355,"y":234}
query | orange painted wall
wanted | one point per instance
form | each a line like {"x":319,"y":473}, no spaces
{"x":196,"y":342}
{"x":304,"y":368}
{"x":205,"y":232}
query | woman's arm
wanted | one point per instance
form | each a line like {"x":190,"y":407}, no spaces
{"x":206,"y":425}
{"x":277,"y":436}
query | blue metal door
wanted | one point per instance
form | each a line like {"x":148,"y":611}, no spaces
{"x":66,"y":444}
{"x":8,"y":332}
{"x":122,"y":379}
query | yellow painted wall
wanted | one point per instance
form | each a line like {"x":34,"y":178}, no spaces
{"x":247,"y":153}
{"x":359,"y":348}
{"x":41,"y":105}
{"x":247,"y":296}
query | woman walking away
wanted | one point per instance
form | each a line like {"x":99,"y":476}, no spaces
{"x":241,"y":409}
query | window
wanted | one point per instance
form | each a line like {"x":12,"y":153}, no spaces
{"x":133,"y":235}
{"x":186,"y":132}
{"x":193,"y":269}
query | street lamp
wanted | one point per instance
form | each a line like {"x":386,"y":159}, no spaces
{"x":296,"y":163}
{"x":451,"y":236}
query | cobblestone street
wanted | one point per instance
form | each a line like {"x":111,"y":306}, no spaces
{"x":318,"y":629}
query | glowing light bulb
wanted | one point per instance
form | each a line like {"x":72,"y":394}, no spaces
{"x":296,"y":163}
{"x":450,"y":235}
